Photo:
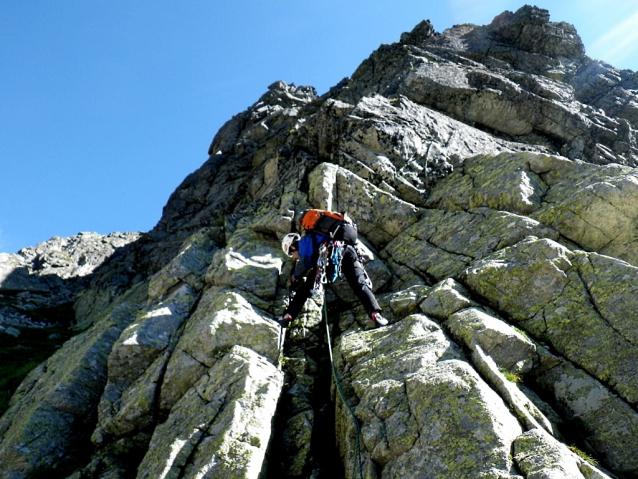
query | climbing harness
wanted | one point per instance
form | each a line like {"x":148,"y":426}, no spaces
{"x":342,"y":395}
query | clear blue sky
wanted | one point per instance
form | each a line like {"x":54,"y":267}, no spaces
{"x":106,"y":105}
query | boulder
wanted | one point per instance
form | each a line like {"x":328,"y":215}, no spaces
{"x":506,"y":346}
{"x":521,"y":405}
{"x":539,"y":455}
{"x":444,"y":299}
{"x":135,"y":366}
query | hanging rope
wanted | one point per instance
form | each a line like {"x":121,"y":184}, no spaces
{"x":342,"y":395}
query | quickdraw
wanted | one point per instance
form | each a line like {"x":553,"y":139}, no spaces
{"x":335,"y":258}
{"x":328,"y":265}
{"x":320,"y":274}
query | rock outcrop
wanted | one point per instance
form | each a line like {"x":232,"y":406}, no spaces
{"x":51,"y":274}
{"x":491,"y":171}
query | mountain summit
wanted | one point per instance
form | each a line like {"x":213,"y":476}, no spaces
{"x":491,"y":173}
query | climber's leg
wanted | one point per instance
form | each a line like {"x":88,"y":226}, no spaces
{"x":357,"y":278}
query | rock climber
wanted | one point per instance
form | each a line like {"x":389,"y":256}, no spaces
{"x":305,"y":250}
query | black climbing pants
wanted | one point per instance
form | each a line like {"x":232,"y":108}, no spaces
{"x":356,"y":277}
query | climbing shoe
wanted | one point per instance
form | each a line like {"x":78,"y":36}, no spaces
{"x":378,"y":320}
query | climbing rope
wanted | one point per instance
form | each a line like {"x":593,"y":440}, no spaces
{"x":342,"y":395}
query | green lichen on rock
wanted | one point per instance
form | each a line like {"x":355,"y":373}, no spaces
{"x":500,"y":182}
{"x":251,"y":261}
{"x":46,"y":425}
{"x":298,"y":439}
{"x":539,"y":455}
{"x":223,"y":318}
{"x":443,"y":243}
{"x":188,"y":266}
{"x":122,"y":413}
{"x":591,"y":205}
{"x":418,"y":400}
{"x":594,"y":207}
{"x":222,"y":426}
{"x":608,"y":423}
{"x":444,"y":299}
{"x":536,"y":284}
{"x":601,"y":276}
{"x":508,"y":348}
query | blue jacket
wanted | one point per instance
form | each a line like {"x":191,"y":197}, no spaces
{"x":308,"y":247}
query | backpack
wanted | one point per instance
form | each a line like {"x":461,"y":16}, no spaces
{"x":325,"y":222}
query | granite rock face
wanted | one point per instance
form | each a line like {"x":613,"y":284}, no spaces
{"x":420,"y":405}
{"x":491,"y":174}
{"x":220,"y":427}
{"x":51,"y":274}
